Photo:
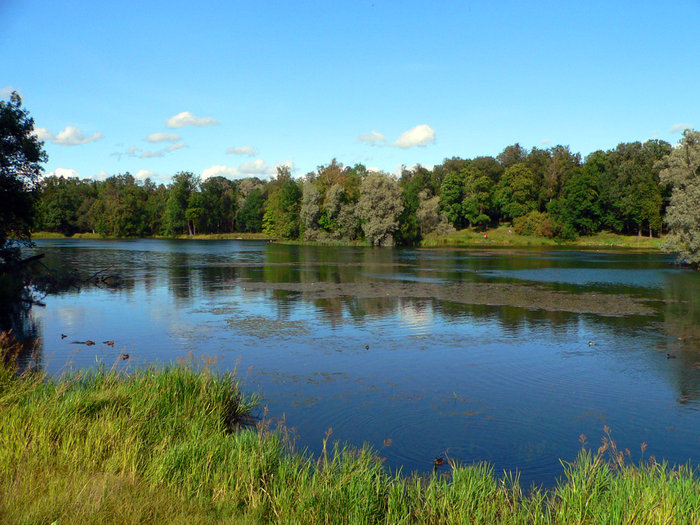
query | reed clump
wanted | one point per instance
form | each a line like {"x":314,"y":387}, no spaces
{"x":178,"y":445}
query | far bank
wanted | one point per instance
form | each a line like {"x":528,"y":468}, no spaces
{"x":503,"y":236}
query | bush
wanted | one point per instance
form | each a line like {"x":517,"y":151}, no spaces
{"x":535,"y":223}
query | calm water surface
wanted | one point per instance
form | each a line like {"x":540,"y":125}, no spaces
{"x":512,"y":386}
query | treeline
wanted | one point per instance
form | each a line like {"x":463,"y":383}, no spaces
{"x":545,"y":192}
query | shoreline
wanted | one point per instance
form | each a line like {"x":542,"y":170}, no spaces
{"x":496,"y":238}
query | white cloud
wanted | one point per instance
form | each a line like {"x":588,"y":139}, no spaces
{"x":421,"y":135}
{"x":679,"y":128}
{"x":371,"y":138}
{"x":7,"y":91}
{"x":242,"y":150}
{"x":374,"y":169}
{"x":144,"y":174}
{"x":414,"y":167}
{"x":72,"y":136}
{"x":102,"y":175}
{"x":64,"y":172}
{"x":289,"y":163}
{"x":255,"y":168}
{"x":69,"y":136}
{"x":188,"y":119}
{"x":174,"y":147}
{"x":163,"y":137}
{"x":43,"y":134}
{"x":544,"y":142}
{"x":219,"y":170}
{"x":150,"y":154}
{"x":133,"y":151}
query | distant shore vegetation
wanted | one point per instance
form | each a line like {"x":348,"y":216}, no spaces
{"x":552,"y":195}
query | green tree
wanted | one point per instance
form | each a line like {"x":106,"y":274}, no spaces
{"x":478,"y":198}
{"x":412,"y":183}
{"x":181,"y":188}
{"x":512,"y":155}
{"x":451,"y":197}
{"x":62,"y":204}
{"x":631,"y":193}
{"x":379,"y":207}
{"x":310,"y":211}
{"x":281,"y":217}
{"x":561,"y":164}
{"x":219,"y":205}
{"x":681,"y":169}
{"x":516,"y":193}
{"x":250,"y":215}
{"x":21,"y":155}
{"x":580,"y":203}
{"x":156,"y":203}
{"x":120,"y":208}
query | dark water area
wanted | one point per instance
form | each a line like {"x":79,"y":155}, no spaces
{"x":418,"y":353}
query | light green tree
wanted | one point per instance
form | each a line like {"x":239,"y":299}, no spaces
{"x":281,"y":217}
{"x":310,"y":211}
{"x":379,"y":207}
{"x":681,"y":169}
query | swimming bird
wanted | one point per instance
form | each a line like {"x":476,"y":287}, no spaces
{"x":63,"y":336}
{"x":438,"y":461}
{"x":124,"y":356}
{"x":591,"y":343}
{"x":109,"y":343}
{"x":89,"y":342}
{"x":366,"y":347}
{"x":670,"y":356}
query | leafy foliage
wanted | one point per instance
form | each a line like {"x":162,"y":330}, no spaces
{"x":21,"y":155}
{"x":561,"y":196}
{"x":681,"y":169}
{"x":379,"y":207}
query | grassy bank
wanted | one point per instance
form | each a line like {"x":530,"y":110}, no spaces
{"x":505,"y":236}
{"x":55,"y":235}
{"x":323,"y":243}
{"x":208,"y":236}
{"x":224,"y":236}
{"x":171,"y":446}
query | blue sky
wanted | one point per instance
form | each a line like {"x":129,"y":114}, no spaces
{"x":236,"y":88}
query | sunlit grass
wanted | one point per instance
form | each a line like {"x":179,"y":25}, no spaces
{"x":225,"y":236}
{"x":495,"y":237}
{"x":174,"y":446}
{"x":505,"y":236}
{"x":205,"y":236}
{"x":323,"y":243}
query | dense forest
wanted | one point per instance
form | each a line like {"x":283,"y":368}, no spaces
{"x":544,"y":192}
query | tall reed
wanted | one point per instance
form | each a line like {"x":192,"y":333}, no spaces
{"x":178,"y":445}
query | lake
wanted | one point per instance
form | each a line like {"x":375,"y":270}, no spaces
{"x":498,"y":355}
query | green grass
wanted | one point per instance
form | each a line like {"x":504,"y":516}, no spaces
{"x":323,"y":243}
{"x":504,"y":236}
{"x":225,"y":236}
{"x":171,"y":446}
{"x":207,"y":236}
{"x":497,"y":237}
{"x":47,"y":235}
